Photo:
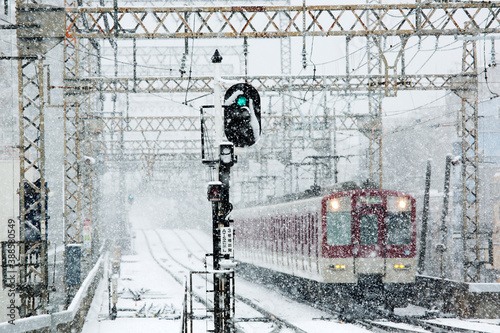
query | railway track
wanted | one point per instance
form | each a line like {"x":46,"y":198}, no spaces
{"x":266,"y":316}
{"x":380,"y":321}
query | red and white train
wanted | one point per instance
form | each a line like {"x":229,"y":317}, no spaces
{"x":360,"y":242}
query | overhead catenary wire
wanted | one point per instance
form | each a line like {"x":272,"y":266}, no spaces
{"x":190,"y":67}
{"x":305,"y":100}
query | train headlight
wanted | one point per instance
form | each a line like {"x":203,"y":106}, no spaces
{"x":398,"y":204}
{"x":403,"y":204}
{"x":401,"y":267}
{"x":335,"y":204}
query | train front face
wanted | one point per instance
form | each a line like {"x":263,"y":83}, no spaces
{"x":369,"y":237}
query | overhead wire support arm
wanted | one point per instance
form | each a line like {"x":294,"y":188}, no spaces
{"x":18,"y":58}
{"x":19,"y":26}
{"x":340,"y":83}
{"x":423,"y":19}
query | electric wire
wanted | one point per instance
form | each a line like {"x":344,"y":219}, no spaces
{"x":293,"y":96}
{"x":364,"y":61}
{"x":494,"y":94}
{"x":190,"y":65}
{"x":304,"y":100}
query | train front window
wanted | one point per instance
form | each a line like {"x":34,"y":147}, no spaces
{"x":368,"y":225}
{"x":398,"y":228}
{"x":338,"y":228}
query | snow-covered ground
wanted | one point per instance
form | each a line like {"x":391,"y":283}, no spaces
{"x":140,"y":271}
{"x":137,"y":271}
{"x":161,"y":303}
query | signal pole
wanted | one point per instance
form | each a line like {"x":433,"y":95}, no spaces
{"x":223,"y":245}
{"x":222,"y":236}
{"x":222,"y":231}
{"x":240,"y":123}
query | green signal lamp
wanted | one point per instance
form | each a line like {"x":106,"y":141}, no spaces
{"x":242,"y":100}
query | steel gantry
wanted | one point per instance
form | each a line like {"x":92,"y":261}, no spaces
{"x":370,"y":21}
{"x":281,"y":83}
{"x":79,"y":59}
{"x":470,"y":163}
{"x":33,"y":265}
{"x":420,"y":19}
{"x":142,"y":147}
{"x":32,"y":282}
{"x":85,"y":23}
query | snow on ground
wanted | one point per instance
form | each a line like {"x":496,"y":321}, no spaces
{"x":487,"y":326}
{"x":137,"y":271}
{"x":140,"y":271}
{"x":162,"y":294}
{"x":301,"y":315}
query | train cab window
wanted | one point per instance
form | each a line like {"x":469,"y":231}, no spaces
{"x":368,"y":225}
{"x":398,"y":220}
{"x":338,"y":228}
{"x":338,"y":221}
{"x":398,"y":228}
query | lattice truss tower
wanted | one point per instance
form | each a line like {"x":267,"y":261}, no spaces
{"x":91,"y":32}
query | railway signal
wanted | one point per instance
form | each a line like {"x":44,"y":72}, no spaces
{"x":214,"y":191}
{"x":242,"y":124}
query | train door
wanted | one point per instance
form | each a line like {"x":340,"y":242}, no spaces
{"x":368,"y":239}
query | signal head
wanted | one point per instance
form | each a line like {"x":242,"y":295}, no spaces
{"x":242,"y":115}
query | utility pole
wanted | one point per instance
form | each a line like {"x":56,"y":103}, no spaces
{"x":425,"y":216}
{"x":442,"y":247}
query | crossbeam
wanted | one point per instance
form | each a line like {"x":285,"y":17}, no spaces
{"x":270,"y":123}
{"x":278,"y":83}
{"x":420,"y":19}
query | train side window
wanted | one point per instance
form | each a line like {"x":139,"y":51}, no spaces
{"x":398,"y":228}
{"x":338,"y":228}
{"x":368,"y":225}
{"x":309,"y":233}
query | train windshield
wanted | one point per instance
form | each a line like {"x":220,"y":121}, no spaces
{"x":338,"y":228}
{"x":368,"y":226}
{"x":398,"y":228}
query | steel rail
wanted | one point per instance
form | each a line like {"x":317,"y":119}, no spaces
{"x":364,"y":323}
{"x":279,"y":321}
{"x":169,"y":272}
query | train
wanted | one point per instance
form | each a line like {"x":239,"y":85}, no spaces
{"x":346,"y":244}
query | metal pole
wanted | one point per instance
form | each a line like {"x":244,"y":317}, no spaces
{"x":216,"y":254}
{"x":221,"y":281}
{"x":202,"y":130}
{"x":219,"y":128}
{"x":444,"y":229}
{"x":191,"y":302}
{"x":219,"y":114}
{"x":425,"y":215}
{"x":335,"y":160}
{"x":446,"y":194}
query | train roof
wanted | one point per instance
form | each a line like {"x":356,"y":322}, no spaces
{"x":314,"y":191}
